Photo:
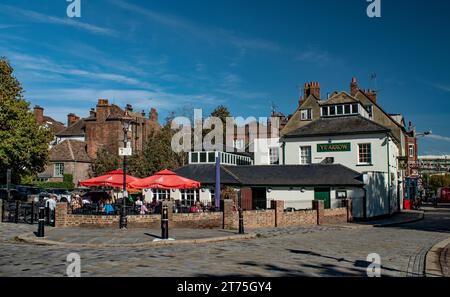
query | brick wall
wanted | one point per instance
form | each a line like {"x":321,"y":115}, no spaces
{"x":204,"y":220}
{"x":297,"y":218}
{"x":335,"y":215}
{"x":229,"y":219}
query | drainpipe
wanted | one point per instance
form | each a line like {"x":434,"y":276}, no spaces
{"x":283,"y":145}
{"x":389,"y":175}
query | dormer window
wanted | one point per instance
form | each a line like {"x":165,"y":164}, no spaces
{"x":339,"y":110}
{"x":305,"y":114}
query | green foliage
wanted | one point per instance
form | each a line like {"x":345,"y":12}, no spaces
{"x":23,"y":143}
{"x":438,"y":181}
{"x":157,"y":154}
{"x":221,"y":112}
{"x":57,"y":185}
{"x":68,"y":178}
{"x":67,"y":182}
{"x":104,"y":162}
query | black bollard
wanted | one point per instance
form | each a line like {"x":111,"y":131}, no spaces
{"x":47,"y":214}
{"x":16,"y":213}
{"x":241,"y":221}
{"x":165,"y":222}
{"x":3,"y":210}
{"x":41,"y":222}
{"x":32,"y":213}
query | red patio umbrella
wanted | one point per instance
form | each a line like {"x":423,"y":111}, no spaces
{"x":165,"y":179}
{"x":111,"y":179}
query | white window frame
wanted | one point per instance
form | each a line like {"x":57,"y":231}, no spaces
{"x":305,"y":156}
{"x":306,"y":114}
{"x":272,"y":156}
{"x":161,"y":194}
{"x":369,"y":154}
{"x":411,"y":150}
{"x":193,"y":196}
{"x":58,"y":170}
{"x":238,"y":143}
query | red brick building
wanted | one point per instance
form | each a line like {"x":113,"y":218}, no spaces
{"x":103,"y":127}
{"x":76,"y":145}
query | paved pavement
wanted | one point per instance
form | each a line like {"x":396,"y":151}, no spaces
{"x":299,"y":251}
{"x":112,"y":236}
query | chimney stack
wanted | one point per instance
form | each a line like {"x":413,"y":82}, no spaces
{"x":312,"y":88}
{"x":72,"y":119}
{"x":353,"y":87}
{"x":153,"y":115}
{"x":102,"y":109}
{"x":39,"y":114}
{"x":372,"y":95}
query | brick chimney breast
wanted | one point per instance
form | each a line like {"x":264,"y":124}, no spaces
{"x":312,"y":88}
{"x":39,"y":114}
{"x":153,"y":115}
{"x":353,"y":87}
{"x":372,"y":95}
{"x":71,"y":119}
{"x":102,"y":109}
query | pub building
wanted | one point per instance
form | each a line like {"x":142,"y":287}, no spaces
{"x":342,"y":155}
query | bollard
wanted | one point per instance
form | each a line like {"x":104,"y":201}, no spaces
{"x":47,"y":214}
{"x":41,"y":222}
{"x":165,"y":222}
{"x":241,"y":221}
{"x":32,"y":213}
{"x":3,"y":210}
{"x":16,"y":213}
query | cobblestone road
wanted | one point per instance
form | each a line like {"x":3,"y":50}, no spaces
{"x":306,"y":251}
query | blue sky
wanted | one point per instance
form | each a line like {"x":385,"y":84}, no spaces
{"x":176,"y":55}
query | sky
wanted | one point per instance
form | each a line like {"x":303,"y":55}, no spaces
{"x":247,"y":55}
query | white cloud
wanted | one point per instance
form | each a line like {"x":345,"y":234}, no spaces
{"x":140,"y":99}
{"x":210,"y":34}
{"x":442,"y":87}
{"x":438,"y":137}
{"x":48,"y":19}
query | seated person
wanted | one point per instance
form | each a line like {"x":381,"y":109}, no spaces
{"x":108,"y":207}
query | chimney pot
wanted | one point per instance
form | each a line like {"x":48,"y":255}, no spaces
{"x":103,"y":102}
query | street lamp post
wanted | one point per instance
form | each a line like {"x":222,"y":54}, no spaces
{"x":126,"y":121}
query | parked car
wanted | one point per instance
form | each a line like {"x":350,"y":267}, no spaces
{"x":444,"y":195}
{"x":62,"y":194}
{"x":13,"y":194}
{"x":95,"y":196}
{"x":27,"y":193}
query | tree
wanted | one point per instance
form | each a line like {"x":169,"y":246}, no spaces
{"x":439,"y":181}
{"x":23,"y":143}
{"x":222,"y":113}
{"x":104,"y":162}
{"x":157,"y":153}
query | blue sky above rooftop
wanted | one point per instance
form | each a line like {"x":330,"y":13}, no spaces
{"x":175,"y":55}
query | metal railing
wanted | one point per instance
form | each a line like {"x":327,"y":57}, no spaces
{"x":26,"y":213}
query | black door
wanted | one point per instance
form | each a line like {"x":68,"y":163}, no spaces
{"x":259,"y":197}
